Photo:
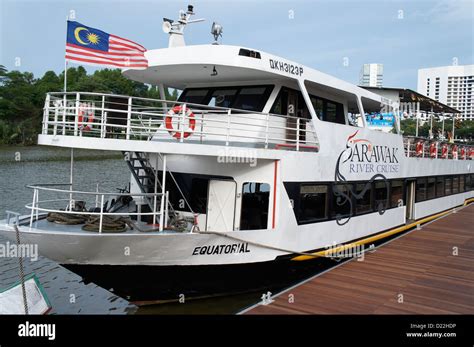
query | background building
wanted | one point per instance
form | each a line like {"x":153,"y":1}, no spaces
{"x":450,"y":85}
{"x":371,"y":75}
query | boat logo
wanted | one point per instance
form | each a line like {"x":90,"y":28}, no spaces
{"x":364,"y":157}
{"x":360,"y":156}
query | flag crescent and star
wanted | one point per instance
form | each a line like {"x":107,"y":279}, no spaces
{"x":92,"y":46}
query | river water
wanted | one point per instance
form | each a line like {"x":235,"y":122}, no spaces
{"x":20,"y":166}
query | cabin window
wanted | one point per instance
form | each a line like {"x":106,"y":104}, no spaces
{"x":431,"y":188}
{"x":420,"y":190}
{"x":250,"y":98}
{"x":327,"y":110}
{"x":439,"y":186}
{"x":222,"y":97}
{"x":363,"y":198}
{"x":396,"y":193}
{"x":318,"y":105}
{"x":288,"y":96}
{"x":254,"y":211}
{"x":381,"y":195}
{"x":341,"y":200}
{"x":313,"y":203}
{"x":455,"y":188}
{"x":448,"y":184}
{"x":468,"y":183}
{"x":194,"y":96}
{"x":462,"y":186}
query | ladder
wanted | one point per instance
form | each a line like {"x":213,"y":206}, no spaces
{"x":145,"y":175}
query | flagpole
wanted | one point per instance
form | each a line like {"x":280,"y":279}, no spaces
{"x":65,"y":75}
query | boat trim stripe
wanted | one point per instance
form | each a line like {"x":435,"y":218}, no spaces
{"x":326,"y":252}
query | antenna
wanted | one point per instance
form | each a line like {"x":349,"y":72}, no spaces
{"x":176,"y":28}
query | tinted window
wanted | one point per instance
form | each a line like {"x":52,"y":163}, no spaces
{"x":363,"y":197}
{"x":250,"y":98}
{"x":313,"y":203}
{"x":327,"y":110}
{"x":222,"y":97}
{"x":440,"y":186}
{"x":194,"y":96}
{"x":468,"y":182}
{"x":381,"y":195}
{"x":462,"y":186}
{"x":318,"y":106}
{"x":431,"y":188}
{"x":331,"y":112}
{"x":420,"y":189}
{"x":396,"y":193}
{"x":448,"y":184}
{"x":341,"y":206}
{"x":455,"y":185}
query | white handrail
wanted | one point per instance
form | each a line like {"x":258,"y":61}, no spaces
{"x":136,"y":118}
{"x":35,"y":205}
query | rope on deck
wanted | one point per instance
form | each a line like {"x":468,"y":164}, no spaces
{"x":22,"y":272}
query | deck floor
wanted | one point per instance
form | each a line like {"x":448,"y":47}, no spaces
{"x":418,"y":273}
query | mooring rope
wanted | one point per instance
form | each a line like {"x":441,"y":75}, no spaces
{"x":22,"y":272}
{"x":258,"y":244}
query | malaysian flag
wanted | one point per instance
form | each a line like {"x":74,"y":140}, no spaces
{"x":95,"y":47}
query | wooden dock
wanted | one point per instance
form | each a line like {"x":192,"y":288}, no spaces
{"x":427,"y":271}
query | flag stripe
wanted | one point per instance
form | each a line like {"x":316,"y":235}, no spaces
{"x":122,"y":49}
{"x":113,"y":60}
{"x":124,"y":45}
{"x":128,"y":53}
{"x":100,"y":62}
{"x":95,"y":55}
{"x":118,"y":38}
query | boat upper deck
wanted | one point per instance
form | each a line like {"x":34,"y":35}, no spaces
{"x":94,"y":116}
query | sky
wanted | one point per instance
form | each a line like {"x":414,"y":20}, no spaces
{"x":333,"y":36}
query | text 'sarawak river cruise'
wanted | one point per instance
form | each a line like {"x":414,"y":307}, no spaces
{"x":261,"y":161}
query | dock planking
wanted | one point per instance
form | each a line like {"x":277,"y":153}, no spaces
{"x":418,"y":273}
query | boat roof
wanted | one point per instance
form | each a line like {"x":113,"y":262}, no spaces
{"x":407,"y":95}
{"x":181,"y":67}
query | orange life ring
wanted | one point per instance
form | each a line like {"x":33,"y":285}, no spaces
{"x":444,"y":151}
{"x":169,"y":122}
{"x":463,"y":153}
{"x":419,"y":148}
{"x":454,"y":151}
{"x":85,"y":118}
{"x":433,"y":150}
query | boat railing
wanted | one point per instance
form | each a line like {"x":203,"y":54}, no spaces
{"x":136,"y":118}
{"x":68,"y":198}
{"x":420,"y":147}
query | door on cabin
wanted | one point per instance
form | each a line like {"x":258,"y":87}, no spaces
{"x":221,"y":205}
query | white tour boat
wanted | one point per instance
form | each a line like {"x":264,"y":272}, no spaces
{"x":261,"y":161}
